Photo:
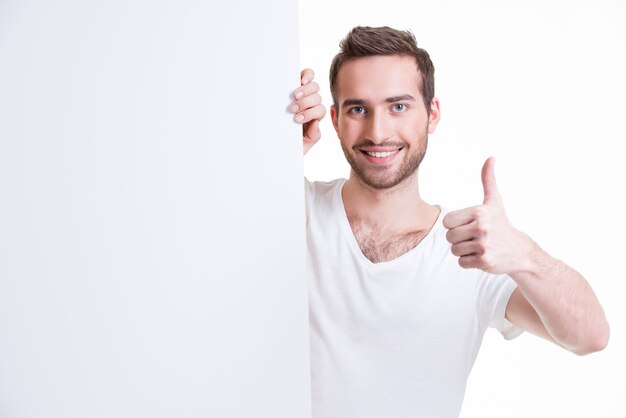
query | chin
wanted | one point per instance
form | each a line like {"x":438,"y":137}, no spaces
{"x":385,"y":183}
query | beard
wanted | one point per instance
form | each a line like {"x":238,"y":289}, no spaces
{"x":384,"y":177}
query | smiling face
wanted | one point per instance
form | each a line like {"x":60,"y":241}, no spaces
{"x":381,"y":119}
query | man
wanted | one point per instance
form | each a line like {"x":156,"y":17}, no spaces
{"x":402,"y":291}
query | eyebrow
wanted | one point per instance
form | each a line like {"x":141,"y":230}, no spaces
{"x":393,"y":99}
{"x":354,"y":102}
{"x":400,"y":98}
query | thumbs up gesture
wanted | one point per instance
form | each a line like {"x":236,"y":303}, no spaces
{"x":482,"y":236}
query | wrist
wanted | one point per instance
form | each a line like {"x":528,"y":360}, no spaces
{"x":533,"y":263}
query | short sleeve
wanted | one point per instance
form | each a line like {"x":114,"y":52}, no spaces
{"x":494,"y":294}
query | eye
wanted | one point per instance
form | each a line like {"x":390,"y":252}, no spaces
{"x":399,"y":107}
{"x":357,"y":110}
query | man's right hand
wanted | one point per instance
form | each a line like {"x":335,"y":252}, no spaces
{"x":308,"y":109}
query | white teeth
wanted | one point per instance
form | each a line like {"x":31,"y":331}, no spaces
{"x":380,"y":154}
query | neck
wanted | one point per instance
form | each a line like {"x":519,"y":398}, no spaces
{"x":397,"y":209}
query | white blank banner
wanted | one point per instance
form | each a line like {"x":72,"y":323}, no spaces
{"x":151,"y":211}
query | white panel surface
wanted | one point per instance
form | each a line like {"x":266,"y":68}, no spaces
{"x":151,"y":211}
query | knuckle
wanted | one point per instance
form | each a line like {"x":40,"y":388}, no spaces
{"x":485,"y":263}
{"x":480,"y":230}
{"x":314,"y":113}
{"x":309,"y":102}
{"x":480,"y":212}
{"x":303,"y":103}
{"x":316,"y":99}
{"x":317,"y":112}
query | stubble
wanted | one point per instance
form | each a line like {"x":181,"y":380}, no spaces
{"x":383,"y":176}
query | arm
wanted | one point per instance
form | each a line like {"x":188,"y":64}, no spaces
{"x":552,"y":300}
{"x":308,"y":109}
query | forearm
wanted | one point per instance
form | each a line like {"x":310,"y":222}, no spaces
{"x":564,"y":302}
{"x":553,"y":300}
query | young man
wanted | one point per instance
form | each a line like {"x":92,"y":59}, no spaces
{"x":401,"y":291}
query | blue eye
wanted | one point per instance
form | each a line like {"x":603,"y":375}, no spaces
{"x":399,"y":107}
{"x":358,"y":110}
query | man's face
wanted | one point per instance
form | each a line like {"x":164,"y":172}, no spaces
{"x":381,"y":119}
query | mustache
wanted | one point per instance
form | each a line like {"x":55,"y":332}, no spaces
{"x":388,"y":144}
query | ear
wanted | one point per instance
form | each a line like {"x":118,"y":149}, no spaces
{"x":335,"y":118}
{"x":434,"y":114}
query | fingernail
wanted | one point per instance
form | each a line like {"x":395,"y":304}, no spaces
{"x":299,"y":94}
{"x":294,"y":108}
{"x":299,"y":118}
{"x":305,"y":80}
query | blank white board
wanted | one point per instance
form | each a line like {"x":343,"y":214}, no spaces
{"x":151,"y":211}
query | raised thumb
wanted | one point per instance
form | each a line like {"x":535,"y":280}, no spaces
{"x":490,"y":189}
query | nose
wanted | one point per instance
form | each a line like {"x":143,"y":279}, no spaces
{"x":378,"y":128}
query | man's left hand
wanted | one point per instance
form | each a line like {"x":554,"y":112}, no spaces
{"x":482,"y":236}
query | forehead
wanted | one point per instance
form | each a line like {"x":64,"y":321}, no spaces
{"x":378,"y":77}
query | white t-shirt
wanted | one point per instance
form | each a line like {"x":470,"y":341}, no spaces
{"x":394,"y":339}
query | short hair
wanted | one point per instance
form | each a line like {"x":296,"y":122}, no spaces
{"x":365,"y":41}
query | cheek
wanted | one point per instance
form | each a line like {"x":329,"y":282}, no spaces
{"x":404,"y":129}
{"x":416,"y":128}
{"x":412,"y":134}
{"x":349,"y":129}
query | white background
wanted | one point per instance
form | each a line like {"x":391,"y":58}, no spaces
{"x":541,"y":86}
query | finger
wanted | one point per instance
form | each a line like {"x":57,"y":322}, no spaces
{"x":491,"y":193}
{"x":306,"y":76}
{"x":470,"y":261}
{"x":306,"y":90}
{"x":464,"y":232}
{"x":305,"y":103}
{"x":460,"y":217}
{"x":465,"y":248}
{"x":308,"y":115}
{"x":312,"y":132}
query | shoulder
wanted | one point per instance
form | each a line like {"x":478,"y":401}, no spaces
{"x":322,"y":198}
{"x":320,"y":187}
{"x":317,"y":191}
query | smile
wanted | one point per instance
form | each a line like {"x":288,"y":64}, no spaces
{"x":381,"y":154}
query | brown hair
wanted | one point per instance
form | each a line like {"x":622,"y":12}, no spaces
{"x":364,"y":41}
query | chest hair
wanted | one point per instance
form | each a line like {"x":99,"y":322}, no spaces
{"x":379,"y":247}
